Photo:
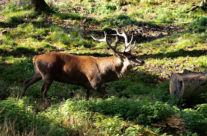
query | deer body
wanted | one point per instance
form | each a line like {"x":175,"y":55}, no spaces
{"x":87,"y":71}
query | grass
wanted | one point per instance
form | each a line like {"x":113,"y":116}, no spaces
{"x":164,"y":40}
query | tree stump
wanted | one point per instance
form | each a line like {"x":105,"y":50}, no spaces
{"x":188,"y":85}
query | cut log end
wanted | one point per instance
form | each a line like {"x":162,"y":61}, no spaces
{"x":176,"y":86}
{"x":188,"y":85}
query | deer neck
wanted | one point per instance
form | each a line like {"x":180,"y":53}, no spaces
{"x":118,"y":65}
{"x":122,"y":66}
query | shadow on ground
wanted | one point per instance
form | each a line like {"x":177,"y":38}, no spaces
{"x":179,"y":53}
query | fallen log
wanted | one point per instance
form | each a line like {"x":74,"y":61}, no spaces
{"x":188,"y":85}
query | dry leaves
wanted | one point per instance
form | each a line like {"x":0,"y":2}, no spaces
{"x":174,"y":121}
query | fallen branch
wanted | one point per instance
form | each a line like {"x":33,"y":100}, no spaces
{"x":194,"y":8}
{"x":203,"y":6}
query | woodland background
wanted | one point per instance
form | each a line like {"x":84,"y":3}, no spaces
{"x":171,"y":36}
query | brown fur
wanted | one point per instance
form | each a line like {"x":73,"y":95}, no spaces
{"x":90,"y":72}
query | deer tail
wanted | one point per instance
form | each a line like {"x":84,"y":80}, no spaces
{"x":34,"y":63}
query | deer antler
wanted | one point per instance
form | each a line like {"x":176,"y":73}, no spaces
{"x":105,"y":40}
{"x":128,"y":45}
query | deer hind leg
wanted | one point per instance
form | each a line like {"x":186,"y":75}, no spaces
{"x":46,"y":85}
{"x":36,"y":77}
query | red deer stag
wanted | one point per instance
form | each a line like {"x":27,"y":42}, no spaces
{"x":87,"y":71}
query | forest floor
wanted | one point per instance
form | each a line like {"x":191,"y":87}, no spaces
{"x":168,"y":39}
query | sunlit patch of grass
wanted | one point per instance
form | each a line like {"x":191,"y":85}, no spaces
{"x":104,"y":8}
{"x":29,"y":30}
{"x":155,"y":11}
{"x":59,"y":36}
{"x":27,"y":46}
{"x":7,"y":42}
{"x":59,"y":45}
{"x":10,"y":59}
{"x":201,"y":63}
{"x":166,"y":66}
{"x":29,"y":43}
{"x":166,"y":12}
{"x":68,"y":39}
{"x":182,"y":44}
{"x":17,"y":17}
{"x":171,"y":45}
{"x":190,"y":41}
{"x":12,"y":7}
{"x":79,"y":115}
{"x":25,"y":36}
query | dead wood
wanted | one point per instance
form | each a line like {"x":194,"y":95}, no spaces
{"x":188,"y":85}
{"x":203,"y":6}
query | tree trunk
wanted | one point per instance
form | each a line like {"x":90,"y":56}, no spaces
{"x":188,"y":85}
{"x":40,"y":5}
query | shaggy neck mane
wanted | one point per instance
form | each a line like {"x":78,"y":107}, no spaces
{"x":115,"y":64}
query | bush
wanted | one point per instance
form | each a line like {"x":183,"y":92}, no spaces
{"x":20,"y":115}
{"x":196,"y":119}
{"x":138,"y":111}
{"x":200,"y":24}
{"x":90,"y":115}
{"x":12,"y":109}
{"x":144,"y":112}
